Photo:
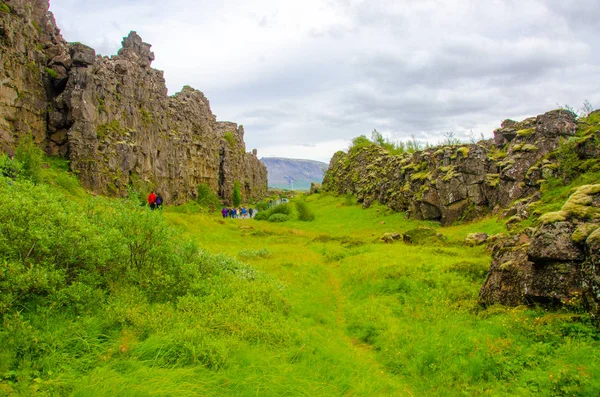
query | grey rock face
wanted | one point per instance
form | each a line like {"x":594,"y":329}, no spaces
{"x":112,"y":117}
{"x":454,"y":183}
{"x":554,"y":262}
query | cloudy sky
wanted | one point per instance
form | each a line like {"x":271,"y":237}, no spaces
{"x":305,"y":77}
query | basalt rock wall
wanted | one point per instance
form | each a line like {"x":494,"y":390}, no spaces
{"x":455,"y":182}
{"x":112,"y":117}
{"x":29,"y":43}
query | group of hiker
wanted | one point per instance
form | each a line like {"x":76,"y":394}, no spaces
{"x":155,"y":200}
{"x":241,"y":212}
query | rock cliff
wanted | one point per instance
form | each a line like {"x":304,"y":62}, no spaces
{"x":555,"y":261}
{"x":112,"y":117}
{"x":458,"y":182}
{"x":549,"y":258}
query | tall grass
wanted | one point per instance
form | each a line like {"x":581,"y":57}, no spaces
{"x":117,"y":300}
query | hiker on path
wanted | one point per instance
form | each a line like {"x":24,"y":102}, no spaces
{"x":224,"y":212}
{"x":159,"y":201}
{"x":250,"y":211}
{"x":152,"y":200}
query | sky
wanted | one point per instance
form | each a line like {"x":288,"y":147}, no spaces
{"x":306,"y":77}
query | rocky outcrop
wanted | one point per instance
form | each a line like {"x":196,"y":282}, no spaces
{"x":459,"y":182}
{"x":31,"y":51}
{"x":112,"y":117}
{"x":556,"y":262}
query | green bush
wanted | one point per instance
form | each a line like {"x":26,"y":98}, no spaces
{"x":10,"y":168}
{"x":262,"y":215}
{"x":279,"y":218}
{"x":283,"y":208}
{"x":206,"y":197}
{"x":237,"y":195}
{"x":30,"y":156}
{"x":304,"y":213}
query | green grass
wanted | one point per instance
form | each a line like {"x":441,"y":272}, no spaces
{"x":319,"y":308}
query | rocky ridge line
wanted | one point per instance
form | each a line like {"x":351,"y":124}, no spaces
{"x":556,"y":261}
{"x":112,"y":117}
{"x":459,"y":182}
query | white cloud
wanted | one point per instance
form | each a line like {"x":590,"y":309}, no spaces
{"x":320,"y":72}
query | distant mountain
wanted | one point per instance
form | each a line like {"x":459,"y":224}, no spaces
{"x":282,"y":172}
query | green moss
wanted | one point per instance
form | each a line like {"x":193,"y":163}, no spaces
{"x":496,"y":154}
{"x":4,"y":8}
{"x":448,"y":177}
{"x":32,"y":66}
{"x":420,"y":176}
{"x":583,"y":231}
{"x":36,"y":26}
{"x":526,"y":132}
{"x":51,"y":73}
{"x":593,"y":238}
{"x":505,"y":164}
{"x":579,"y":205}
{"x":113,"y":128}
{"x":101,"y":105}
{"x":464,"y":151}
{"x":529,"y":148}
{"x":228,"y":136}
{"x":551,"y":217}
{"x":492,"y":180}
{"x":588,"y":125}
{"x":146,"y":116}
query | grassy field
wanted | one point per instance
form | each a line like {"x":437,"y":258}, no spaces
{"x":242,"y":307}
{"x":399,"y":319}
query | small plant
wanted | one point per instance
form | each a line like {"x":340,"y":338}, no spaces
{"x":228,"y":136}
{"x":349,"y":199}
{"x":51,"y":73}
{"x":206,"y":197}
{"x":279,"y":218}
{"x":4,"y":8}
{"x":10,"y":168}
{"x":254,"y":254}
{"x":30,"y":156}
{"x":146,"y":116}
{"x":236,"y":197}
{"x":304,"y":213}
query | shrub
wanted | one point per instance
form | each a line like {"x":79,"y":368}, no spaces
{"x":228,"y":136}
{"x":51,"y":72}
{"x":304,"y":213}
{"x":283,"y":208}
{"x":206,"y":197}
{"x":30,"y":156}
{"x":279,"y":218}
{"x":361,"y":141}
{"x":10,"y":168}
{"x":262,"y":215}
{"x":237,"y":195}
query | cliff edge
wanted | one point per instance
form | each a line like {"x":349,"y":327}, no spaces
{"x":112,"y":117}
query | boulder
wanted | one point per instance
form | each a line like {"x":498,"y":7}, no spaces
{"x":474,"y":239}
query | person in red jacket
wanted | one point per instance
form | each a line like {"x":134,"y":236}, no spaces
{"x":152,"y":200}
